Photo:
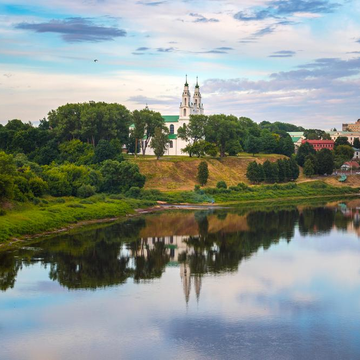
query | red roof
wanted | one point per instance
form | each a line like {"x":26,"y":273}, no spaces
{"x":319,"y":141}
{"x":352,"y":164}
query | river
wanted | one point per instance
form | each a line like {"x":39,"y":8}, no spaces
{"x":275,"y":283}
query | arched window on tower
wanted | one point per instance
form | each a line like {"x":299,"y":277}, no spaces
{"x":184,"y":112}
{"x":171,"y":144}
{"x":185,"y":101}
{"x":171,"y":129}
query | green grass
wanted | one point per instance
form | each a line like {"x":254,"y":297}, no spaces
{"x":29,"y":219}
{"x":253,"y":193}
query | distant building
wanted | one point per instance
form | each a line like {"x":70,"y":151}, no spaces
{"x":351,"y":127}
{"x":320,"y":144}
{"x":350,"y":165}
{"x":297,"y":138}
{"x":188,"y":106}
{"x":350,"y":135}
{"x":356,"y":154}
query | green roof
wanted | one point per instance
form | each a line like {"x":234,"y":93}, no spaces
{"x":171,"y":118}
{"x":295,"y":133}
{"x":172,"y":136}
{"x":295,"y":139}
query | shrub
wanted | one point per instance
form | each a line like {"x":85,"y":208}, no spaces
{"x":36,"y":201}
{"x":87,"y":202}
{"x":197,"y":188}
{"x":38,"y":186}
{"x":85,"y":191}
{"x":44,"y":201}
{"x":221,"y":185}
{"x":2,"y":212}
{"x":77,"y":206}
{"x":203,"y":173}
{"x":134,"y":192}
{"x":59,"y":201}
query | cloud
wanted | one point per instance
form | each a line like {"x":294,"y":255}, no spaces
{"x":166,"y":50}
{"x":142,"y":49}
{"x":283,"y":54}
{"x":202,"y":19}
{"x":75,"y":29}
{"x":282,"y":8}
{"x":151,"y":3}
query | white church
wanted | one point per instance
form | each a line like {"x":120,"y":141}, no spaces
{"x":188,"y":107}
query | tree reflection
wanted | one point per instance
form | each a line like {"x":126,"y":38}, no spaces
{"x":111,"y":255}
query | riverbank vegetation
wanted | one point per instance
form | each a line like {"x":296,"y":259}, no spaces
{"x":54,"y":213}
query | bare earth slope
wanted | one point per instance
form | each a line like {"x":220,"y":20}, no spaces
{"x":179,"y":173}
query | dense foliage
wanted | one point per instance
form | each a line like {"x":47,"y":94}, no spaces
{"x":283,"y":170}
{"x":229,"y":135}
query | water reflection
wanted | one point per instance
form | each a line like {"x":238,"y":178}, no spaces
{"x":198,"y":243}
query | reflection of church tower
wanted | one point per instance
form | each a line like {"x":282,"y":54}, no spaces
{"x":186,"y":280}
{"x":185,"y":105}
{"x":197,"y":286}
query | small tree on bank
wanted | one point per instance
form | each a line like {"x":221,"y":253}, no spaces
{"x":309,"y":170}
{"x":159,"y":142}
{"x":203,"y":173}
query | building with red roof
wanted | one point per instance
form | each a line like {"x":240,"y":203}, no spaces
{"x":320,"y":144}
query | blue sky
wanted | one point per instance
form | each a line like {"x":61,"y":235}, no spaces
{"x":296,"y":61}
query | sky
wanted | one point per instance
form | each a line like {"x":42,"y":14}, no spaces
{"x":296,"y":61}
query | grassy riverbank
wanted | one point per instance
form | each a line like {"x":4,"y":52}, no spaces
{"x":244,"y":193}
{"x":52,"y":214}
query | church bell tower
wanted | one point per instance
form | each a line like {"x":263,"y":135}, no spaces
{"x":198,"y":107}
{"x":186,"y":105}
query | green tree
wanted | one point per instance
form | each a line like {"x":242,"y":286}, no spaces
{"x":269,"y":142}
{"x":254,"y":172}
{"x":221,"y":185}
{"x":305,"y":149}
{"x":203,"y":173}
{"x":309,"y":170}
{"x":160,"y":142}
{"x":356,"y":143}
{"x":346,"y":152}
{"x":120,"y":177}
{"x":193,"y":132}
{"x":286,"y":146}
{"x":145,"y":124}
{"x":294,"y":168}
{"x":104,"y":151}
{"x":253,"y":145}
{"x":75,"y":151}
{"x":342,"y":140}
{"x":221,"y":129}
{"x":324,"y":162}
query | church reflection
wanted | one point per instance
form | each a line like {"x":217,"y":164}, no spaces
{"x":199,"y":244}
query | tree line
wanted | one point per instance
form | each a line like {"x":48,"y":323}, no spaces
{"x":282,"y":170}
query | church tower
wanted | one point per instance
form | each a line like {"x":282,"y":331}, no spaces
{"x":198,"y":108}
{"x":185,"y":105}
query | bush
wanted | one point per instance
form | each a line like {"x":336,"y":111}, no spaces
{"x":36,"y":201}
{"x":134,"y":192}
{"x":87,"y":202}
{"x":38,"y":186}
{"x":85,"y":191}
{"x":77,"y":206}
{"x":2,"y":212}
{"x":197,"y":188}
{"x":221,"y":185}
{"x":59,"y":201}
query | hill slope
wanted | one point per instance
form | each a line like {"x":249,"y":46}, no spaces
{"x":179,"y":173}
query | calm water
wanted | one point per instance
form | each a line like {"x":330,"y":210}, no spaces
{"x":274,"y":284}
